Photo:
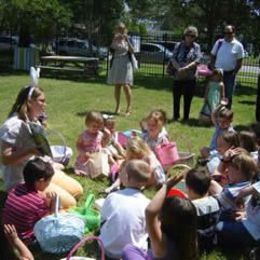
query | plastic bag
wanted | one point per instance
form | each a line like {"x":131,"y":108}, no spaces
{"x":59,"y":232}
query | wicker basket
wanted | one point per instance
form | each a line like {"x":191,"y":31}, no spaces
{"x":186,"y":158}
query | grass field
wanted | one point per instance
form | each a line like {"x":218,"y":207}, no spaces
{"x":67,"y":102}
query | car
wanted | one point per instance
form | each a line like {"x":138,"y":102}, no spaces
{"x":77,"y":47}
{"x":8,"y":42}
{"x":153,"y":53}
{"x":170,"y":45}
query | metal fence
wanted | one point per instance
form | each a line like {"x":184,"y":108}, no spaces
{"x":153,"y":53}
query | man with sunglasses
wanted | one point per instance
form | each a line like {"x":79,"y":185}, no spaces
{"x":227,"y":54}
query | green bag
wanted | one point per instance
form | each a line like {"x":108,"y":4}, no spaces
{"x":89,"y":214}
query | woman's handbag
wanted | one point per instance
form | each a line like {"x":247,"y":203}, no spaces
{"x":134,"y":62}
{"x":82,"y":243}
{"x":59,"y":232}
{"x":167,"y":154}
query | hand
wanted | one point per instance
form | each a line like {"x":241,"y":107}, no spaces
{"x":238,"y":214}
{"x":10,"y":232}
{"x":171,"y":182}
{"x":231,"y":152}
{"x":51,"y":200}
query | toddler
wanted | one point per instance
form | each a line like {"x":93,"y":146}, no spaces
{"x":155,"y":132}
{"x":123,"y":212}
{"x":215,"y":92}
{"x":222,"y":119}
{"x":89,"y":142}
{"x":138,"y":149}
{"x":26,"y":203}
{"x":111,"y":143}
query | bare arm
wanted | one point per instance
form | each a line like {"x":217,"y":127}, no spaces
{"x":16,"y":242}
{"x":152,"y":217}
{"x":238,"y":65}
{"x":222,"y":90}
{"x":11,"y":156}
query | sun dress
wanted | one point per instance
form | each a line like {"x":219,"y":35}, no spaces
{"x":121,"y":71}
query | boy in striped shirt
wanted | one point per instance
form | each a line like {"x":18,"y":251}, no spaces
{"x":26,"y":203}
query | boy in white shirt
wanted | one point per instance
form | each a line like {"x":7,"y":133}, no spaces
{"x":123,"y":212}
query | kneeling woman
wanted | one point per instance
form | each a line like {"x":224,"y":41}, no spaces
{"x":18,"y":146}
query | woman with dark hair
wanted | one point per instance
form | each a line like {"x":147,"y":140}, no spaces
{"x":186,"y":57}
{"x":172,"y":228}
{"x":18,"y":146}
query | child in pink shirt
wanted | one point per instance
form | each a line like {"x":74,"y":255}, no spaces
{"x":90,"y":141}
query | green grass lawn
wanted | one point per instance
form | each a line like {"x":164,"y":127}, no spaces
{"x":67,"y":102}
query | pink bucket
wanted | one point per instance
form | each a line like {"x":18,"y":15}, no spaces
{"x":167,"y":153}
{"x":122,"y":139}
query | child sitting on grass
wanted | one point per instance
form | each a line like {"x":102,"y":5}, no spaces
{"x":26,"y":203}
{"x":90,"y":141}
{"x":155,"y":133}
{"x":111,"y":144}
{"x":197,"y":185}
{"x":241,"y":169}
{"x":172,"y":228}
{"x":222,"y":119}
{"x":123,"y":212}
{"x":138,"y":149}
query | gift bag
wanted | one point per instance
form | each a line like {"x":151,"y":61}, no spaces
{"x":97,"y":165}
{"x":59,"y":232}
{"x":167,"y":154}
{"x":134,"y":62}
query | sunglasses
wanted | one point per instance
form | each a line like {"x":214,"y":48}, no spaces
{"x":190,"y":35}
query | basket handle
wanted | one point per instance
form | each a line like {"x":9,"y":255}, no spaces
{"x":61,"y":136}
{"x":83,"y":241}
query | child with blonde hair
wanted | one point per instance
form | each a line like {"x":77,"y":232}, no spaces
{"x":215,"y":92}
{"x":89,"y":142}
{"x":155,"y":133}
{"x":137,"y":149}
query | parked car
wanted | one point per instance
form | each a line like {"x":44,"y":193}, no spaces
{"x":77,"y":47}
{"x":170,"y":45}
{"x":8,"y":42}
{"x":153,"y":53}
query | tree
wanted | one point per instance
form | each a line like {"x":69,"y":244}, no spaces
{"x":37,"y":19}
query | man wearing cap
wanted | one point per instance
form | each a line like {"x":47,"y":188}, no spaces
{"x":227,"y":54}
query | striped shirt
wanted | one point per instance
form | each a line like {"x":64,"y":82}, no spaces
{"x":23,"y":208}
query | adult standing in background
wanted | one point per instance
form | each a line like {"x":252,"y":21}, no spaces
{"x":186,"y":57}
{"x":227,"y":54}
{"x":121,"y":71}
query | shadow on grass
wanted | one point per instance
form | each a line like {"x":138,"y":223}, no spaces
{"x":247,"y":102}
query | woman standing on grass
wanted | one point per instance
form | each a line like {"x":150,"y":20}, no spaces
{"x":121,"y":71}
{"x":17,"y":145}
{"x":186,"y":57}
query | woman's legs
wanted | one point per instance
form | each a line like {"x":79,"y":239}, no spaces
{"x":128,"y":95}
{"x":189,"y":89}
{"x":117,"y":93}
{"x":176,"y":94}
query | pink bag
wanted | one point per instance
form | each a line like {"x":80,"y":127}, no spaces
{"x":122,"y":139}
{"x":203,"y":70}
{"x":167,"y":153}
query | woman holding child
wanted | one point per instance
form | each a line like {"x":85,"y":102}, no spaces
{"x":121,"y":71}
{"x":182,"y":66}
{"x":18,"y":146}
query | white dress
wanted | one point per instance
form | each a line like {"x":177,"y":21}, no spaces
{"x":121,"y":71}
